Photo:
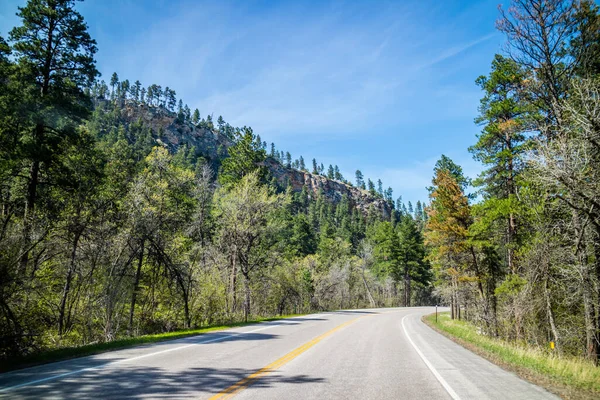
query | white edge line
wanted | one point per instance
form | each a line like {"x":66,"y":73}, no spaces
{"x":111,"y":363}
{"x":445,"y":384}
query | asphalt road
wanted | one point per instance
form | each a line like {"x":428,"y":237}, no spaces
{"x":367,"y":354}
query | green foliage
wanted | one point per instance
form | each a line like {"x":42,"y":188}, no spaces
{"x":244,"y":158}
{"x":110,"y":230}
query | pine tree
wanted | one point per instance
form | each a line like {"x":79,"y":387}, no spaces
{"x":315,"y":167}
{"x":124,"y":88}
{"x":196,"y":117}
{"x":330,"y":172}
{"x":135,"y":90}
{"x":336,"y":173}
{"x":244,"y":157}
{"x":114,"y":81}
{"x":288,"y":160}
{"x":360,"y":180}
{"x":504,"y":111}
{"x":55,"y":54}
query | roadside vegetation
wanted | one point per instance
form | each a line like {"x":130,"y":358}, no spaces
{"x":517,"y":250}
{"x":568,"y":376}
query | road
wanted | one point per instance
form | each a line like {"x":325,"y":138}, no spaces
{"x":367,"y":354}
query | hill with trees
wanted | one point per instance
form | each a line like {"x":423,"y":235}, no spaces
{"x":123,"y":212}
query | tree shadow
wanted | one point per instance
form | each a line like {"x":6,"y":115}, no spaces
{"x":136,"y":382}
{"x":77,"y":366}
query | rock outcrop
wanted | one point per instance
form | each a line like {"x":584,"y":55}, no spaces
{"x":170,"y":132}
{"x":333,"y":190}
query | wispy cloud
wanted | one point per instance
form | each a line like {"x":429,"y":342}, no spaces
{"x":456,"y":50}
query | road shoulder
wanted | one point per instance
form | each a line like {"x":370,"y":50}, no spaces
{"x":546,"y":381}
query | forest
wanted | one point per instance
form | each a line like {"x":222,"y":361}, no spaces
{"x":108,"y":231}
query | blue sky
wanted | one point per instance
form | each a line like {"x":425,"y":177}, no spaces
{"x":382,"y":86}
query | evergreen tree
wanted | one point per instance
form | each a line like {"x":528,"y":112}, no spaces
{"x":360,"y":180}
{"x":135,"y":90}
{"x":288,"y":160}
{"x":315,"y":167}
{"x":504,"y":111}
{"x":371,"y":186}
{"x":330,"y":172}
{"x":55,"y":56}
{"x":114,"y":81}
{"x":244,"y":157}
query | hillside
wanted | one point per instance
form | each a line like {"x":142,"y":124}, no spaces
{"x":169,"y":131}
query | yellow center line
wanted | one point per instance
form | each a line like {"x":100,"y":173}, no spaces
{"x":247,"y":381}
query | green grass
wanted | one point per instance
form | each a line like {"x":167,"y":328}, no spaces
{"x":569,"y":377}
{"x":66,"y":353}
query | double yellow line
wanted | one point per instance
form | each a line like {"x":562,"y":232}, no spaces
{"x":247,"y":381}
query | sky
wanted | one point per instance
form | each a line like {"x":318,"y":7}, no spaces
{"x":386,"y":87}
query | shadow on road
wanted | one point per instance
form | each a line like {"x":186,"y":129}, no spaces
{"x":101,"y":361}
{"x":141,"y":382}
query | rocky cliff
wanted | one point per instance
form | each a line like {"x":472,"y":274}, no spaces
{"x":170,"y":132}
{"x":333,"y":190}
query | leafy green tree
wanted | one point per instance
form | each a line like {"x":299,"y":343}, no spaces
{"x":244,"y":214}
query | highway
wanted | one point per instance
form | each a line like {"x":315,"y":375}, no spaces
{"x":366,"y":354}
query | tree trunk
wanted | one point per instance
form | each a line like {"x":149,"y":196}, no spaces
{"x":233,"y":281}
{"x":67,"y":287}
{"x":28,"y":219}
{"x":550,"y":314}
{"x":247,"y":297}
{"x":369,"y":295}
{"x":406,"y":289}
{"x":136,"y":286}
{"x":596,"y":343}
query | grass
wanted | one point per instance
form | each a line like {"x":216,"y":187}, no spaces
{"x":66,"y":353}
{"x":568,"y":377}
